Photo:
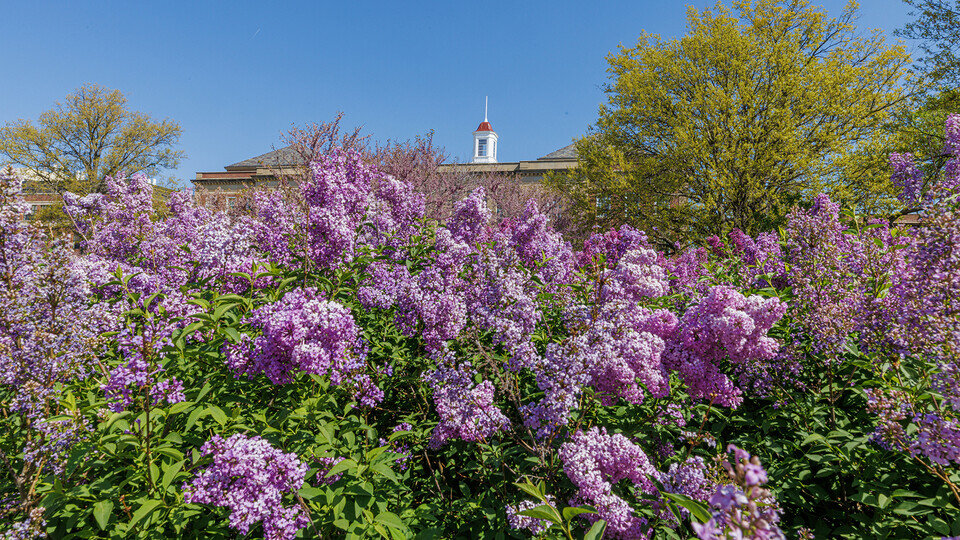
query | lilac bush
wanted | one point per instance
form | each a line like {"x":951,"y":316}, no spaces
{"x":431,"y":364}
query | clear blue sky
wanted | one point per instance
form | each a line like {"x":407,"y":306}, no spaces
{"x":237,"y":74}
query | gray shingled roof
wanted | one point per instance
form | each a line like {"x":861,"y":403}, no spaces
{"x":567,"y":152}
{"x":285,"y":156}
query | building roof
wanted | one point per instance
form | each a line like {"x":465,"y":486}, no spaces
{"x":282,"y":157}
{"x":484,"y":126}
{"x":567,"y":152}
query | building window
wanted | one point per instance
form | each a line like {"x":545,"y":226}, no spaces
{"x":481,"y":147}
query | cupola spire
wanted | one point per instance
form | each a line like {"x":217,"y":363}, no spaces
{"x":485,"y":139}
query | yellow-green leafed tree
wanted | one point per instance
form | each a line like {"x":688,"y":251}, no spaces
{"x":757,"y":106}
{"x":91,"y":135}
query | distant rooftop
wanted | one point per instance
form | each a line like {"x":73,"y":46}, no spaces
{"x":484,"y":126}
{"x":282,"y":157}
{"x":287,"y":157}
{"x":567,"y":152}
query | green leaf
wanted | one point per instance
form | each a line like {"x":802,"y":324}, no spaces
{"x":101,"y":512}
{"x":384,"y":470}
{"x":170,"y":473}
{"x":178,"y":408}
{"x":531,"y":490}
{"x":232,"y":333}
{"x":145,"y":509}
{"x":194,"y":416}
{"x":696,"y":508}
{"x":217,"y":414}
{"x":113,"y":419}
{"x":218,"y":313}
{"x":347,"y":464}
{"x":596,"y":532}
{"x":390,"y":520}
{"x":571,"y":512}
{"x":310,"y":492}
{"x":544,"y":511}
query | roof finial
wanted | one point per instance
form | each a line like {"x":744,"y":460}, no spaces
{"x":486,"y":100}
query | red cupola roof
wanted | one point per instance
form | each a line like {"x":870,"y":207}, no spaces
{"x":484,"y":126}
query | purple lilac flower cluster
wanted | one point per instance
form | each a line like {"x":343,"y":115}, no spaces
{"x":908,"y":178}
{"x":30,"y":528}
{"x":337,"y":197}
{"x":824,"y":275}
{"x":402,"y":449}
{"x":760,"y":256}
{"x":467,"y":410}
{"x":595,"y":461}
{"x":533,"y":525}
{"x":724,"y":324}
{"x":327,"y":463}
{"x":250,"y":477}
{"x":742,"y":508}
{"x":128,"y":379}
{"x":689,"y":478}
{"x":303,"y":332}
{"x":54,"y":439}
{"x":611,"y":245}
{"x":49,"y":335}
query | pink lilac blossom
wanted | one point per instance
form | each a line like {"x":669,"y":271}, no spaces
{"x":687,"y":272}
{"x":595,"y":462}
{"x":638,"y":275}
{"x":250,"y":477}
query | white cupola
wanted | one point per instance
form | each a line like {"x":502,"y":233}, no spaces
{"x":484,"y":141}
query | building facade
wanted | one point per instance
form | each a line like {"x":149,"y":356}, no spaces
{"x":267,"y":169}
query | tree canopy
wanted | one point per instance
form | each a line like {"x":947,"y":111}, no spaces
{"x":937,"y":27}
{"x":729,"y":125}
{"x":91,"y":135}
